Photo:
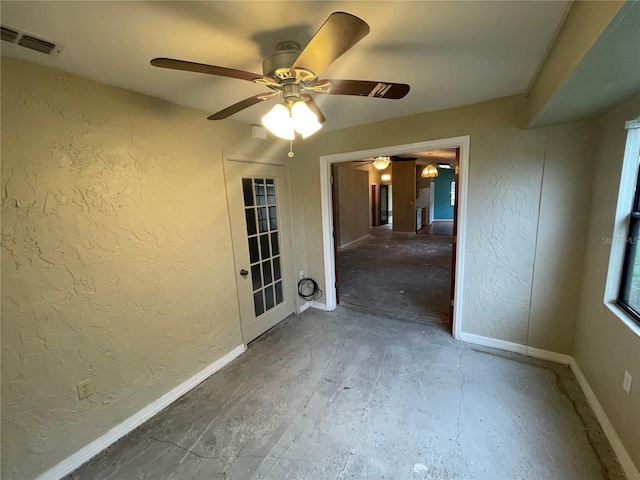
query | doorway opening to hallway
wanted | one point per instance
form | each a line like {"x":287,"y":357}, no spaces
{"x":351,"y":219}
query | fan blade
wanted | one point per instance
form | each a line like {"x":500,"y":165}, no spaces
{"x":338,"y":34}
{"x":365,"y":88}
{"x":208,"y":69}
{"x":247,"y":102}
{"x":313,"y":106}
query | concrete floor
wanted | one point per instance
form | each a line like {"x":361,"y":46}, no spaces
{"x":353,"y":394}
{"x":438,"y":227}
{"x":404,"y":276}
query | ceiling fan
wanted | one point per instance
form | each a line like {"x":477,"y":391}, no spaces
{"x":291,"y":72}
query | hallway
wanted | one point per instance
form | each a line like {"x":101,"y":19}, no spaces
{"x":403,"y":276}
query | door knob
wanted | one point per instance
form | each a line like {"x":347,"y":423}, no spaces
{"x":244,"y":273}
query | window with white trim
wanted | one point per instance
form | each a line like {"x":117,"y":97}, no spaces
{"x":629,"y":292}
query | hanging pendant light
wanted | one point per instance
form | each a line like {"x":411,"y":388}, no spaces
{"x":430,"y":171}
{"x":381,"y":162}
{"x":385,"y":177}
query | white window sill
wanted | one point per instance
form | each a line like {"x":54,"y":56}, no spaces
{"x":623,"y":317}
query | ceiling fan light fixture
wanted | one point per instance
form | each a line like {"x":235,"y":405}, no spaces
{"x":305,"y":122}
{"x":284,"y":122}
{"x":279,"y":122}
{"x":430,"y":171}
{"x":381,"y":162}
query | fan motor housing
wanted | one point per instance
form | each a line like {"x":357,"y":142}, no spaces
{"x":279,"y":64}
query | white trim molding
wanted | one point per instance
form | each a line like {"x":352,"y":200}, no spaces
{"x":517,"y":348}
{"x":354,"y":241}
{"x":548,"y":355}
{"x":311,"y":304}
{"x":462,"y":142}
{"x":618,"y":241}
{"x":624,"y":458}
{"x":319,"y":306}
{"x":493,"y":342}
{"x":86,"y":453}
{"x":303,"y":307}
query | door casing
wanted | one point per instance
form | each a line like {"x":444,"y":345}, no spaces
{"x":255,"y":167}
{"x":462,"y":142}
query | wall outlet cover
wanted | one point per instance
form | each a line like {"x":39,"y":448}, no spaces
{"x":626,"y":383}
{"x":85,"y":388}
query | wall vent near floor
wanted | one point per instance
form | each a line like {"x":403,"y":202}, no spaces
{"x":15,"y":36}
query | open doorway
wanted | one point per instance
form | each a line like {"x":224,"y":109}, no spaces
{"x":384,"y":269}
{"x":383,"y":207}
{"x":461,"y":143}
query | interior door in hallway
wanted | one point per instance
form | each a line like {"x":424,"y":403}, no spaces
{"x":384,"y":204}
{"x":260,"y":217}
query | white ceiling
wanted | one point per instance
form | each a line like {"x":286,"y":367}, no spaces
{"x":452,"y":53}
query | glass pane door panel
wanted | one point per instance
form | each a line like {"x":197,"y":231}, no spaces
{"x":263,"y":238}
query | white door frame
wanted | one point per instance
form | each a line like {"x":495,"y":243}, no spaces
{"x":462,"y":142}
{"x":285,"y":246}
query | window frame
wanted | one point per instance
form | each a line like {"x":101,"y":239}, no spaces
{"x":630,"y":252}
{"x":617,"y":242}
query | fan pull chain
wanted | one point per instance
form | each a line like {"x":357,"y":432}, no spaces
{"x":290,"y":154}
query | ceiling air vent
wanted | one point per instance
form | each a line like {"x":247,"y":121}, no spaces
{"x":36,"y":44}
{"x":24,"y":39}
{"x":9,"y":35}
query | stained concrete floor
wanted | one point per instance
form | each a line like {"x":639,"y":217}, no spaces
{"x":407,"y":277}
{"x":438,"y":227}
{"x":353,"y":394}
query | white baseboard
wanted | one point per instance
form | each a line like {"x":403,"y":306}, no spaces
{"x":303,"y":307}
{"x":547,"y":355}
{"x":85,"y":454}
{"x":492,"y":342}
{"x":627,"y":464}
{"x":316,"y":305}
{"x":354,"y":241}
{"x":517,"y":348}
{"x":319,"y":306}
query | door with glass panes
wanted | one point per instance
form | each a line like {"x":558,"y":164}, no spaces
{"x":259,"y":212}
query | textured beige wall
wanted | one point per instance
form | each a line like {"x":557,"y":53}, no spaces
{"x":116,"y":257}
{"x":505,"y":181}
{"x":403,"y":175}
{"x":353,"y":203}
{"x":604,"y":346}
{"x":566,"y":192}
{"x":116,"y":248}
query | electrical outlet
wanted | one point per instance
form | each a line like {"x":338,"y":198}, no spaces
{"x":85,"y":388}
{"x":626,"y":383}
